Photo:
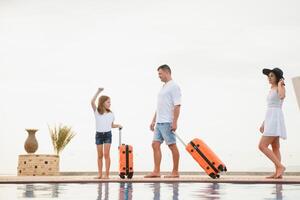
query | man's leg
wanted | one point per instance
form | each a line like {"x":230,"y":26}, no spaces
{"x":157,"y":160}
{"x":170,"y":139}
{"x":175,"y":155}
{"x":157,"y":140}
{"x":156,"y":156}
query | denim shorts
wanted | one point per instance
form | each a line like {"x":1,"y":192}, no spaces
{"x":163,"y":133}
{"x":103,"y":137}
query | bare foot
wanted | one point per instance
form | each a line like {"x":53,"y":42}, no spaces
{"x":279,"y":177}
{"x":105,"y":177}
{"x":98,"y":177}
{"x":272,"y":176}
{"x":152,"y":175}
{"x":172,"y":175}
{"x":280,"y":171}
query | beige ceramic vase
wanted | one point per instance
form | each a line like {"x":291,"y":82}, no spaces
{"x":31,"y":144}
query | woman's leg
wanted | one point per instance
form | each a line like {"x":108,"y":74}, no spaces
{"x":275,"y":148}
{"x":99,"y":159}
{"x":107,"y":158}
{"x":276,"y":151}
{"x":263,"y":146}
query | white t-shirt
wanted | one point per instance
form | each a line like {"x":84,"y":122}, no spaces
{"x":168,"y":97}
{"x":104,"y":122}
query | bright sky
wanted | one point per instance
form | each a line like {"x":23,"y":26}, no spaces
{"x":55,"y":53}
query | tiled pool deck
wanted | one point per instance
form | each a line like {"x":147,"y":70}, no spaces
{"x":89,"y":177}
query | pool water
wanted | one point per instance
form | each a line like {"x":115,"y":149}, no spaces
{"x":153,"y":191}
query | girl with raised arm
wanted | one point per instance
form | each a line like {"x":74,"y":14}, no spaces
{"x":104,"y":118}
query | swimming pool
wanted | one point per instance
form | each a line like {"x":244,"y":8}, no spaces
{"x":155,"y":191}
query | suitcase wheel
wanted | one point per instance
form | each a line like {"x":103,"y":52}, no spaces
{"x":218,"y":176}
{"x":222,"y":168}
{"x":130,"y":175}
{"x":212,"y":175}
{"x":122,"y":175}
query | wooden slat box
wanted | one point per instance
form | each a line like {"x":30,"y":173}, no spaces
{"x":38,"y":165}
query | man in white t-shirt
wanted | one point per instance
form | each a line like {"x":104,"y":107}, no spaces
{"x":164,"y":122}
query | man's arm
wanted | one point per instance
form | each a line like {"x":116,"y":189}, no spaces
{"x":175,"y":117}
{"x":153,"y":122}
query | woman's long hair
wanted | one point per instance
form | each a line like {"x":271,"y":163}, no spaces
{"x":101,"y":109}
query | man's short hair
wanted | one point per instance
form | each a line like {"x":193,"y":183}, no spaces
{"x":164,"y":68}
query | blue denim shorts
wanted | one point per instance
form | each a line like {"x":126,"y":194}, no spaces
{"x":103,"y":137}
{"x":163,"y":133}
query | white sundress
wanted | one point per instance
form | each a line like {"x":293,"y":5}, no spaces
{"x":274,"y":121}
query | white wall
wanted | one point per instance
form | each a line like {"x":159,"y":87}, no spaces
{"x":54,"y":55}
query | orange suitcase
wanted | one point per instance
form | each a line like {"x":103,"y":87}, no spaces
{"x":205,"y":157}
{"x":125,"y":159}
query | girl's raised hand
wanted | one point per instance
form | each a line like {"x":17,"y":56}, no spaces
{"x":100,"y":89}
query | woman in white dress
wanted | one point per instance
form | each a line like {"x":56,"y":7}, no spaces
{"x":273,"y":127}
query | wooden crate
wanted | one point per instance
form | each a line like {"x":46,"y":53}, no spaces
{"x":38,"y":165}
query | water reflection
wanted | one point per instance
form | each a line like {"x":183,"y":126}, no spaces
{"x":278,"y":189}
{"x":29,"y":191}
{"x":155,"y":187}
{"x":156,"y":190}
{"x":125,"y":191}
{"x":39,"y":190}
{"x":210,"y":191}
{"x":175,"y":189}
{"x":103,"y":195}
{"x":277,"y":192}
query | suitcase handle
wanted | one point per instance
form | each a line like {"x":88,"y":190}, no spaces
{"x":179,"y":139}
{"x":120,"y":136}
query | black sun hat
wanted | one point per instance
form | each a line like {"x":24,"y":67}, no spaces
{"x":278,"y":72}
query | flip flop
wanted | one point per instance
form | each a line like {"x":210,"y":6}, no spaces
{"x":171,"y":176}
{"x":152,"y":176}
